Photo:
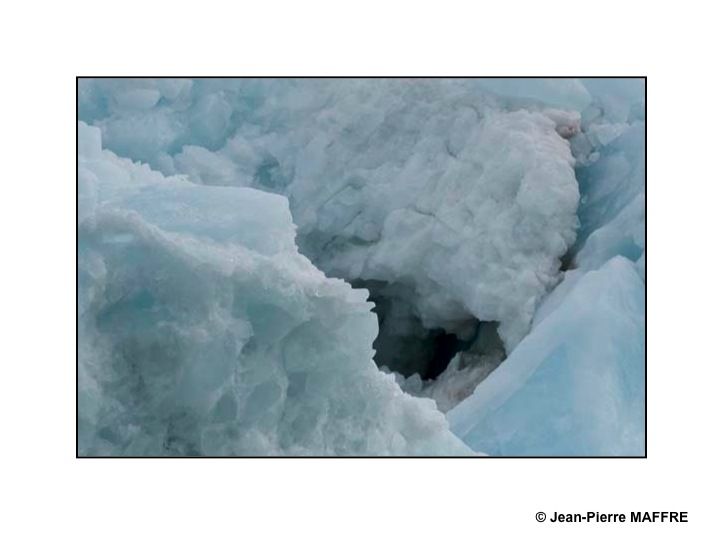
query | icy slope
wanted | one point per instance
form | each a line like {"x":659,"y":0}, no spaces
{"x":575,"y":384}
{"x":203,"y":331}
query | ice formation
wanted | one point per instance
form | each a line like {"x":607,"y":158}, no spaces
{"x":407,"y":185}
{"x":452,"y":201}
{"x":576,"y":384}
{"x":205,"y":332}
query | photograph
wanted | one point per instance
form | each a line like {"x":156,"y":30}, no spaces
{"x":359,"y":271}
{"x":361,"y":266}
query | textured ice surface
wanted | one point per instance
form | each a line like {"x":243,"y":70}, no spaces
{"x":452,"y":201}
{"x":567,"y":93}
{"x":613,"y":209}
{"x":203,"y":331}
{"x":575,"y":384}
{"x":461,"y":197}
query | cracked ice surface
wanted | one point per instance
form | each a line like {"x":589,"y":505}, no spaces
{"x":203,"y":331}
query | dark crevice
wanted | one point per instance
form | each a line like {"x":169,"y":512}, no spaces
{"x":403,"y":344}
{"x":567,"y":261}
{"x":445,"y":347}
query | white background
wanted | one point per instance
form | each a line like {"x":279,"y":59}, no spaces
{"x":47,"y":493}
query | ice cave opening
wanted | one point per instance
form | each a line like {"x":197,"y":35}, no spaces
{"x":444,"y":364}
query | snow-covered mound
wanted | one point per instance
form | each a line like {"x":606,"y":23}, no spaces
{"x":203,"y":331}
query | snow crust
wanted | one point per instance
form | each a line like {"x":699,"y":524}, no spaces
{"x":203,"y":331}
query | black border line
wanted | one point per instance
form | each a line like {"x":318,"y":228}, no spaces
{"x":77,"y":276}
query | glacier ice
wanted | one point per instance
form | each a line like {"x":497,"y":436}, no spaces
{"x":613,"y":212}
{"x":205,"y":332}
{"x":567,"y":93}
{"x":575,"y":384}
{"x":415,"y":184}
{"x":477,"y":212}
